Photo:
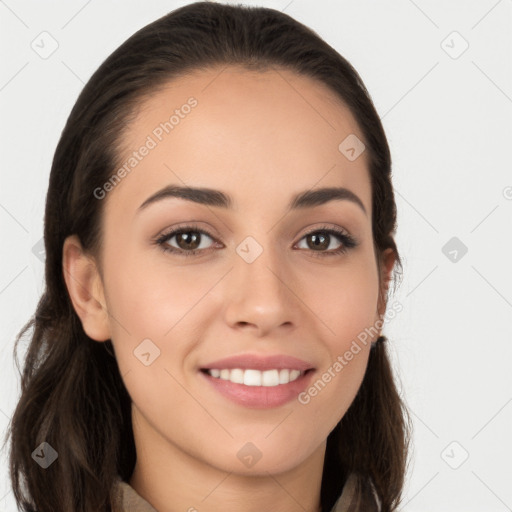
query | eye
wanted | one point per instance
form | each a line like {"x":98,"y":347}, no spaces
{"x":191,"y":240}
{"x":318,"y":239}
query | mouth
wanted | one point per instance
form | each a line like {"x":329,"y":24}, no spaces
{"x":255,"y":388}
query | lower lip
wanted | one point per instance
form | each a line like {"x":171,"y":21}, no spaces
{"x":259,"y":397}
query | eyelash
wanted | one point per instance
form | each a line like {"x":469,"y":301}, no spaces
{"x":348,"y":242}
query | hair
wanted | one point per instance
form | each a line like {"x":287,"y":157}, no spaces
{"x":72,"y":394}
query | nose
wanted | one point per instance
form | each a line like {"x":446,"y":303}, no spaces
{"x":261,"y":295}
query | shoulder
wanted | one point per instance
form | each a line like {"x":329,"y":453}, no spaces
{"x":128,"y":500}
{"x":358,"y":495}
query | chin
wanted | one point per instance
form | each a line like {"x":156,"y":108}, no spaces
{"x":256,"y":460}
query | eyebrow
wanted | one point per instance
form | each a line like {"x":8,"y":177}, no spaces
{"x":212,"y":197}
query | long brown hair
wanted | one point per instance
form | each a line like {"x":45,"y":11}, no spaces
{"x":72,"y":395}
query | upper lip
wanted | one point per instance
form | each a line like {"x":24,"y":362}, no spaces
{"x":260,"y":362}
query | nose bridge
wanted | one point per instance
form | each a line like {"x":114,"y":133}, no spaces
{"x":259,"y":264}
{"x":260,"y":292}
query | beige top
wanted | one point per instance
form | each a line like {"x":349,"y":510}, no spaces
{"x":131,"y":501}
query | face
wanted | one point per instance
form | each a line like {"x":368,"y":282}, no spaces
{"x":255,"y":277}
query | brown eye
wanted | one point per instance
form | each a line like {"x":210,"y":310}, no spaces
{"x":188,"y":241}
{"x":318,"y":241}
{"x":321,"y":240}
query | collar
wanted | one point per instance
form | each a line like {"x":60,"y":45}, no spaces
{"x":130,"y":501}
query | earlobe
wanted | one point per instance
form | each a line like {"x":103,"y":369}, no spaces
{"x":85,"y":289}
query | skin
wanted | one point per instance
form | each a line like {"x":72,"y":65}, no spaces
{"x":260,"y":137}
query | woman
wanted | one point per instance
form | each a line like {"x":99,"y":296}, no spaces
{"x":219,"y":244}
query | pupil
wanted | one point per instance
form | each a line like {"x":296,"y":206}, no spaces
{"x":318,"y":244}
{"x":186,"y":237}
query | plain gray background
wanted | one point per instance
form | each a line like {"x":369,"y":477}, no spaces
{"x":441,"y":79}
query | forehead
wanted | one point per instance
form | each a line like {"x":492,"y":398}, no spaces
{"x":260,"y":136}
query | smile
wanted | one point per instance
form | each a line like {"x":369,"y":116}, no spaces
{"x":258,"y":389}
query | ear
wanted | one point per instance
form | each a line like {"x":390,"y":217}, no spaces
{"x":386,"y":268}
{"x":85,"y":289}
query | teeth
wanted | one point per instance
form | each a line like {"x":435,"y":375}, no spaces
{"x":235,"y":375}
{"x":267,"y":378}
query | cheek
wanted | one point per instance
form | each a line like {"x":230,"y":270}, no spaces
{"x":148,"y":326}
{"x":154,"y":309}
{"x":345,"y":305}
{"x":344,"y":302}
{"x":149,"y":298}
